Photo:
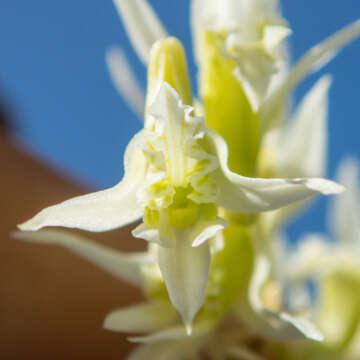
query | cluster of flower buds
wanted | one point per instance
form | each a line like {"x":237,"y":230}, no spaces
{"x":213,"y":179}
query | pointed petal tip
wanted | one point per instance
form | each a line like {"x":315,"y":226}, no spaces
{"x":210,"y":230}
{"x":28,"y":226}
{"x":188,"y":328}
{"x":187,"y":319}
{"x":326,"y":187}
{"x":108,"y":322}
{"x":20,"y":235}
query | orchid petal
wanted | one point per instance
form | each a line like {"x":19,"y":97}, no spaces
{"x":338,"y":310}
{"x":241,"y":352}
{"x":176,"y":332}
{"x":257,"y":66}
{"x":254,"y":71}
{"x":228,"y":14}
{"x":124,"y":266}
{"x":318,"y":55}
{"x":305,"y":138}
{"x":125,"y":81}
{"x":205,"y":230}
{"x":159,"y":351}
{"x":251,"y":195}
{"x":166,"y":236}
{"x":185,"y":270}
{"x":165,"y":350}
{"x":272,"y":325}
{"x":103,"y":210}
{"x":309,"y":62}
{"x":142,"y":25}
{"x":344,"y":219}
{"x":305,"y":141}
{"x":141,"y":318}
{"x":147,"y":233}
{"x":274,"y":35}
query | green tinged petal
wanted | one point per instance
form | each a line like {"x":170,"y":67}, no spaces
{"x":125,"y":266}
{"x":185,"y":270}
{"x":338,"y":314}
{"x":141,"y":318}
{"x":226,"y":107}
{"x":231,"y":268}
{"x":168,"y":64}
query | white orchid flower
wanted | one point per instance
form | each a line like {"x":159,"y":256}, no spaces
{"x":250,"y":29}
{"x":273,"y":324}
{"x":250,"y":33}
{"x":334,"y":265}
{"x":176,"y":178}
{"x":344,"y":217}
{"x":298,"y":147}
{"x":317,"y":57}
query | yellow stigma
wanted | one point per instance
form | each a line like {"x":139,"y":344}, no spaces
{"x":183,"y":212}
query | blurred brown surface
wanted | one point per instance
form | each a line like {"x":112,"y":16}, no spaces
{"x":52,"y":303}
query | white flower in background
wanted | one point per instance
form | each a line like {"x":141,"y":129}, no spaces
{"x":333,"y":265}
{"x":232,"y":116}
{"x":317,"y":255}
{"x":250,"y":32}
{"x":254,"y":31}
{"x":297,"y":148}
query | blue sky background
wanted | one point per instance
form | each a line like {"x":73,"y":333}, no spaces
{"x":55,"y":83}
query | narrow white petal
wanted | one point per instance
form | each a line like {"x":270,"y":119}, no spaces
{"x":165,"y":350}
{"x":160,"y":351}
{"x":321,"y":51}
{"x":257,"y":64}
{"x":142,"y":25}
{"x":254,"y":71}
{"x":125,"y":81}
{"x":251,"y":195}
{"x":103,"y":210}
{"x":274,"y":35}
{"x":303,"y":143}
{"x":196,"y":22}
{"x":185,"y":270}
{"x":344,"y":215}
{"x":241,"y":352}
{"x":141,"y":318}
{"x":318,"y":55}
{"x":205,"y":230}
{"x":124,"y":266}
{"x":176,"y":332}
{"x":272,"y":325}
